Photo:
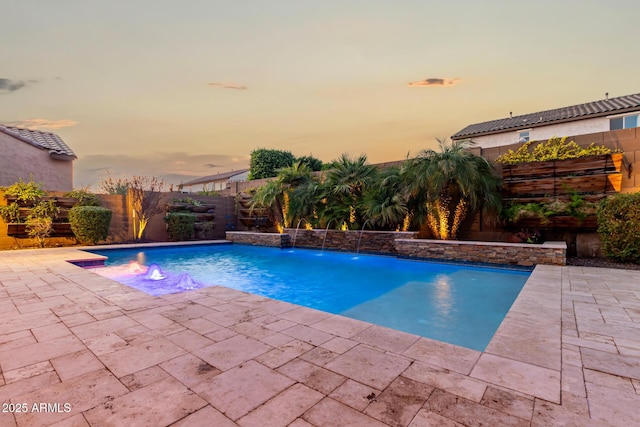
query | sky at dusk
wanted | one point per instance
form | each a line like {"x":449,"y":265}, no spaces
{"x":186,"y":89}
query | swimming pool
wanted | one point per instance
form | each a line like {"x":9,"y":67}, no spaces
{"x":459,"y":304}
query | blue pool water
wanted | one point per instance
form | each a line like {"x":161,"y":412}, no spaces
{"x":459,"y":304}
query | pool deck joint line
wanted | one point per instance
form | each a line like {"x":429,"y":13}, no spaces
{"x":79,"y":349}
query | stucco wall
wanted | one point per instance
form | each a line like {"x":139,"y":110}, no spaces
{"x":579,"y":127}
{"x":22,"y":160}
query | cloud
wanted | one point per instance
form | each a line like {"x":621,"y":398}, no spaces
{"x":436,"y":82}
{"x":228,"y":85}
{"x":212,"y":165}
{"x":44,"y":124}
{"x":7,"y":85}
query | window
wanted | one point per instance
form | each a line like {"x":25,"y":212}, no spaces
{"x":523,"y":136}
{"x":624,"y":122}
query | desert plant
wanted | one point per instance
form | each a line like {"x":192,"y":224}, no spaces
{"x":39,"y":229}
{"x":145,"y":198}
{"x":180,"y":225}
{"x":10,"y":213}
{"x":90,"y":224}
{"x":619,"y":227}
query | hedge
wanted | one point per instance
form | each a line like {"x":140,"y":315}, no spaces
{"x":90,"y":224}
{"x":180,"y":225}
{"x":619,"y":227}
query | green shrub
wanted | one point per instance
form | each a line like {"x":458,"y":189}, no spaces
{"x":10,"y":213}
{"x":180,"y":225}
{"x":265,"y":163}
{"x":619,"y":227}
{"x":25,"y":191}
{"x":553,"y":149}
{"x":84,"y":197}
{"x":90,"y":224}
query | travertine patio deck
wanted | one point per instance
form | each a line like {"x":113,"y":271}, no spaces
{"x":568,"y":353}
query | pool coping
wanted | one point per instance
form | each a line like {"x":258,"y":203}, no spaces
{"x":533,"y":361}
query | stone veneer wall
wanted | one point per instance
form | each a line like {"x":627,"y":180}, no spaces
{"x":260,"y":239}
{"x":379,"y":242}
{"x":522,"y":254}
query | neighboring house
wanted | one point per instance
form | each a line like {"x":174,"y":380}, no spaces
{"x":216,"y":182}
{"x":592,"y":117}
{"x":31,"y":154}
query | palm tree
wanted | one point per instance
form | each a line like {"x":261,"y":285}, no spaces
{"x":385,"y":202}
{"x":277,"y":193}
{"x":450,"y":184}
{"x":346,"y":182}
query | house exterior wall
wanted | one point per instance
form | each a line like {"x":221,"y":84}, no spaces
{"x":20,"y":160}
{"x":578,"y":127}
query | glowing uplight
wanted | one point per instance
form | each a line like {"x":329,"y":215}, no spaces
{"x":279,"y":227}
{"x":134,"y":267}
{"x":308,"y":226}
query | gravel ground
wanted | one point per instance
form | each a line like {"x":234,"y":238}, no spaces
{"x":601,"y":262}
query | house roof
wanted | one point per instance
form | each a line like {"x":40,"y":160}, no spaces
{"x":588,"y":110}
{"x":44,"y":140}
{"x":214,"y":178}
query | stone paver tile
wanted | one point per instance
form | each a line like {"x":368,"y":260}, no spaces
{"x":369,"y":366}
{"x":144,"y":377}
{"x":151,"y":320}
{"x":573,"y":380}
{"x":221,"y":334}
{"x":279,"y":325}
{"x":239,"y":390}
{"x":319,"y":356}
{"x":307,"y":334}
{"x":174,"y":398}
{"x":355,"y":394}
{"x":452,"y":382}
{"x":300,"y":423}
{"x":105,"y":344}
{"x":207,"y":416}
{"x":7,"y":419}
{"x":282,"y":409}
{"x":231,"y":352}
{"x":548,"y":414}
{"x":444,"y":355}
{"x":529,"y":379}
{"x":201,"y":326}
{"x":339,"y":345}
{"x":75,"y":421}
{"x":251,"y":330}
{"x":82,"y":393}
{"x":38,"y":352}
{"x":74,"y":364}
{"x":311,"y":375}
{"x":46,"y":333}
{"x":284,"y":353}
{"x":137,"y":357}
{"x":425,"y":418}
{"x":26,"y":321}
{"x":329,"y":413}
{"x":27,"y":372}
{"x":27,"y":385}
{"x":229,"y":318}
{"x":386,"y":339}
{"x":189,"y":310}
{"x":15,"y":336}
{"x":132,"y":332}
{"x":571,"y":355}
{"x":304,"y":316}
{"x":341,"y":326}
{"x":596,"y":345}
{"x":44,"y":304}
{"x":17,"y":339}
{"x":189,"y":340}
{"x":100,"y":327}
{"x":277,"y":339}
{"x":624,"y":366}
{"x":190,"y":370}
{"x":400,"y":402}
{"x":77,"y":319}
{"x":508,"y":402}
{"x":469,"y":413}
{"x":607,"y":404}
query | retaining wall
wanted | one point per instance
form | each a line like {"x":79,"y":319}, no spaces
{"x":349,"y":241}
{"x":261,"y":239}
{"x":522,"y":254}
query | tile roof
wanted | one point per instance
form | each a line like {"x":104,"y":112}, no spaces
{"x":45,"y":140}
{"x":599,"y":108}
{"x":213,"y":178}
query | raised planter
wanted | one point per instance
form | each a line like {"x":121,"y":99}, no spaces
{"x":60,"y":229}
{"x":557,"y":221}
